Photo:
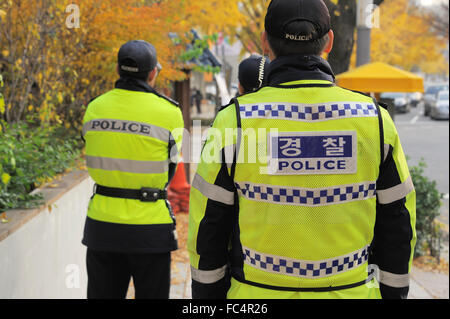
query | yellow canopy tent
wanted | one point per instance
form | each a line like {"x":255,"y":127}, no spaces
{"x":380,"y":77}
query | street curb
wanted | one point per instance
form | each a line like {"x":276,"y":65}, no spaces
{"x":428,"y":285}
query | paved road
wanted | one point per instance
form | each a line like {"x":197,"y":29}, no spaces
{"x":424,"y":138}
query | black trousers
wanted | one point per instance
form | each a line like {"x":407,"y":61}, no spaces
{"x":109,"y":275}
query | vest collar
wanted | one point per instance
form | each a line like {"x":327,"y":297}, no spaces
{"x":131,"y":84}
{"x":299,"y":67}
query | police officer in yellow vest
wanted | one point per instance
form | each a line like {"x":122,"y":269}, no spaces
{"x":326,"y":208}
{"x":131,"y":154}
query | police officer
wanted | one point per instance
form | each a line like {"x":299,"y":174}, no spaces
{"x":328,"y":210}
{"x":252,"y":73}
{"x":131,"y":154}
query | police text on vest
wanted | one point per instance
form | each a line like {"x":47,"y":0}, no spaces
{"x":312,"y":153}
{"x":121,"y":126}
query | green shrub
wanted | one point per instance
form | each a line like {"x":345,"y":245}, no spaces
{"x":428,"y":202}
{"x":29,"y":157}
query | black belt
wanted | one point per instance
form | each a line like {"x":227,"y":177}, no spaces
{"x":144,"y":194}
{"x":312,"y":289}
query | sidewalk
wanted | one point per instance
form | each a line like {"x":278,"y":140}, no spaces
{"x":429,"y":285}
{"x":181,"y":282}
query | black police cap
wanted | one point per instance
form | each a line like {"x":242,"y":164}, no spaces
{"x":282,"y":13}
{"x":253,"y":72}
{"x":136,"y":59}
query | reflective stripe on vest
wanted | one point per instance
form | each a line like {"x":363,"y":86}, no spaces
{"x":208,"y":276}
{"x":129,"y":166}
{"x":213,"y":192}
{"x":306,"y":196}
{"x":305,"y":268}
{"x":393,"y":280}
{"x":308,"y":113}
{"x":395,"y":193}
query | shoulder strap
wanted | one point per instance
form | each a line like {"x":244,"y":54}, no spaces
{"x":380,"y":121}
{"x":383,"y":105}
{"x":381,"y":128}
{"x":227,"y":105}
{"x":238,"y":138}
{"x":167,"y":99}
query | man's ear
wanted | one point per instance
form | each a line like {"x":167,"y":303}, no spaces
{"x":240,"y":88}
{"x":267,"y":50}
{"x":152,"y":76}
{"x":329,"y":45}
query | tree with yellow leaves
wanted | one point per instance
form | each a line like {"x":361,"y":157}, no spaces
{"x":405,"y":39}
{"x":251,"y":24}
{"x":56,"y":57}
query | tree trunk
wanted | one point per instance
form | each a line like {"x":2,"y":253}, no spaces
{"x":343,"y":23}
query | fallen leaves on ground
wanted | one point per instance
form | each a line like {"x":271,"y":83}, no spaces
{"x":429,"y":263}
{"x":4,"y":218}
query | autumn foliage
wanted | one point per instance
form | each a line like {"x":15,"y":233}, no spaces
{"x":405,"y":39}
{"x":55,"y":57}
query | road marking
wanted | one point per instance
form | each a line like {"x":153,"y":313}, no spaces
{"x":414,"y":120}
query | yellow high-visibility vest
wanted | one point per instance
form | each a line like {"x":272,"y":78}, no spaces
{"x":305,"y":176}
{"x":128,"y":143}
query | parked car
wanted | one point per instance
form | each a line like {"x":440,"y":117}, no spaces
{"x":415,"y":98}
{"x":401,"y":101}
{"x":431,"y":95}
{"x":439,"y":111}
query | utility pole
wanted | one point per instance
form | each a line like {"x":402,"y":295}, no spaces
{"x":364,"y":26}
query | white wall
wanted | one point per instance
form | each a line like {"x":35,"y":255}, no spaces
{"x":44,"y":258}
